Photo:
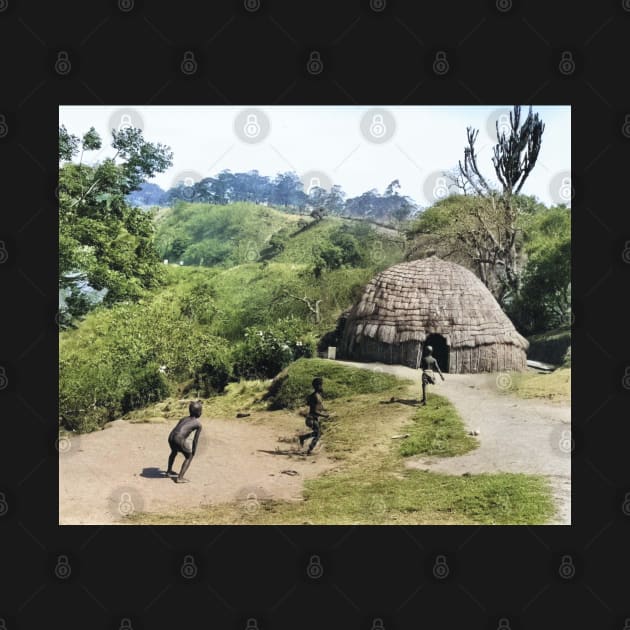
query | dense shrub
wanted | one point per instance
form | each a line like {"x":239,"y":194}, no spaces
{"x":266,"y":351}
{"x":130,"y":355}
{"x":147,"y":384}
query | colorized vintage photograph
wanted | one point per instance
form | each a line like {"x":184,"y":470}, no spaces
{"x":315,"y":315}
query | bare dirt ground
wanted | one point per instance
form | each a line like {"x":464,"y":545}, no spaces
{"x":106,"y":475}
{"x":515,"y":434}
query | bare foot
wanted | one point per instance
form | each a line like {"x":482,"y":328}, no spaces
{"x":183,"y":480}
{"x":171,"y":473}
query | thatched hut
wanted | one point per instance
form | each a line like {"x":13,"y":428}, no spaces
{"x":432,"y":302}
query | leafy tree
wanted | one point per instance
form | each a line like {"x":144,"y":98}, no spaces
{"x":102,"y":240}
{"x":544,"y":301}
{"x":335,"y":200}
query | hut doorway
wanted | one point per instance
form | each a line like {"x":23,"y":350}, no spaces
{"x":440,"y":350}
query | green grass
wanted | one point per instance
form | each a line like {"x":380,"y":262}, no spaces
{"x":555,"y":386}
{"x":371,"y":484}
{"x":293,"y":384}
{"x":437,"y":429}
{"x":369,"y":498}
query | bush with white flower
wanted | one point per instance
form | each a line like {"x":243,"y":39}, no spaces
{"x":266,"y":351}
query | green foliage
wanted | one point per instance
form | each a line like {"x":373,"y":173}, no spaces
{"x":210,"y":235}
{"x":545,"y":298}
{"x":550,"y":346}
{"x":132,"y":354}
{"x":341,"y":250}
{"x":102,"y":240}
{"x":78,"y":303}
{"x":193,"y":324}
{"x":291,"y":387}
{"x":146,"y":385}
{"x":265,"y":352}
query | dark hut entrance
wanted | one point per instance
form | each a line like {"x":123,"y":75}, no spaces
{"x":440,"y":350}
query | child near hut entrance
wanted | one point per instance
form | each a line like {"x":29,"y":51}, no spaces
{"x":428,"y":364}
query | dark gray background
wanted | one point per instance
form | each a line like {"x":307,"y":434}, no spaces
{"x":369,"y":56}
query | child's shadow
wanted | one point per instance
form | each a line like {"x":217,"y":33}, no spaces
{"x":153,"y":473}
{"x":412,"y":402}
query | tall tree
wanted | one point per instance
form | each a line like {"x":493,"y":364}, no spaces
{"x":496,"y":212}
{"x":102,"y":240}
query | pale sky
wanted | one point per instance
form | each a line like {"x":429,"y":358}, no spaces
{"x":413,"y":144}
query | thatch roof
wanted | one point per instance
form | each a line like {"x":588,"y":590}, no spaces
{"x":411,"y":300}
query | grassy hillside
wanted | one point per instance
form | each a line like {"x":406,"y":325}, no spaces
{"x":247,"y":314}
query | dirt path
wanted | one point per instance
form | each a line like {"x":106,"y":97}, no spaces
{"x":106,"y":474}
{"x":515,"y":434}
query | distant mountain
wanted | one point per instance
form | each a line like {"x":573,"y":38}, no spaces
{"x":148,"y":195}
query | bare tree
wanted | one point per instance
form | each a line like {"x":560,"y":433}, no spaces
{"x":496,"y":214}
{"x":312,"y":305}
